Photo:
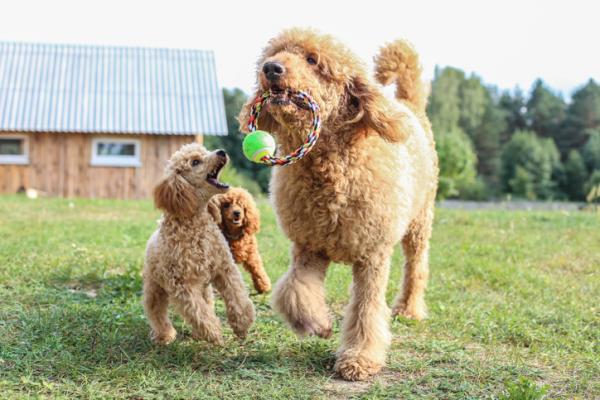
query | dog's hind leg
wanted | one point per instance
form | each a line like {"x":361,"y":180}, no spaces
{"x":410,"y":303}
{"x":240,"y":310}
{"x":209,"y":296}
{"x":299,"y":296}
{"x":156,"y":303}
{"x":195,"y":309}
{"x":366,"y":333}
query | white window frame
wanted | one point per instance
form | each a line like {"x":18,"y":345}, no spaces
{"x":115,"y":161}
{"x":19,"y":159}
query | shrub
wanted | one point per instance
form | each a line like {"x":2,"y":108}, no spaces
{"x":592,"y":188}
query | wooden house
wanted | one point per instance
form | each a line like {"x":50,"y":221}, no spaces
{"x":100,"y":122}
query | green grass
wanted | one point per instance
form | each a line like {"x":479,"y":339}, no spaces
{"x":513,"y":299}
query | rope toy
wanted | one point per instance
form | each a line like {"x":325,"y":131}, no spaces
{"x":259,"y":146}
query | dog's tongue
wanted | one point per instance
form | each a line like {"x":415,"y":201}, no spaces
{"x":217,"y":184}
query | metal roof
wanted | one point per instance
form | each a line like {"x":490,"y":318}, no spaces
{"x":74,"y":88}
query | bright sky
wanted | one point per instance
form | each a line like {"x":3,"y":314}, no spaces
{"x":506,"y":42}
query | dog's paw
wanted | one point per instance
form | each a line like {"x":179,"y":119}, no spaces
{"x":411,"y":312}
{"x":163,"y":338}
{"x":243,"y":321}
{"x":262,"y":285}
{"x":356,"y":368}
{"x":211,"y":337}
{"x":322,"y":329}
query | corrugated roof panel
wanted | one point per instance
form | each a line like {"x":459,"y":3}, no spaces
{"x":71,"y":88}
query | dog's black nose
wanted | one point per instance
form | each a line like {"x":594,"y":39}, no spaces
{"x":236,"y":213}
{"x":273,"y":70}
{"x":221,"y":153}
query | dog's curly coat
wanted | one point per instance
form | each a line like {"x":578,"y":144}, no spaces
{"x":187,"y":254}
{"x":238,"y":217}
{"x":369,"y":183}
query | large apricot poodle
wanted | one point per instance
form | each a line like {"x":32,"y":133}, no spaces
{"x":369,"y":183}
{"x":187,"y":254}
{"x":239,"y":220}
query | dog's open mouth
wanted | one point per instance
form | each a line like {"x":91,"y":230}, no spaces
{"x":213,"y":176}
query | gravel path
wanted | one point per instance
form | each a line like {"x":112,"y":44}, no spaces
{"x":511,"y":205}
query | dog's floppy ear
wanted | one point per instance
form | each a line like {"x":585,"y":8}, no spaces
{"x":251,"y":217}
{"x":214,"y":208}
{"x":176,"y":196}
{"x":374,"y":111}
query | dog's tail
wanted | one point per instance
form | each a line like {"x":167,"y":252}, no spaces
{"x":398,"y":61}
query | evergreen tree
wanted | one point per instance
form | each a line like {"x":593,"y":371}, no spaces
{"x":514,"y":108}
{"x":487,"y":140}
{"x":583,"y":114}
{"x":545,"y":111}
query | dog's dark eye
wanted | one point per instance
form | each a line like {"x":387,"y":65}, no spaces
{"x":195,"y":162}
{"x":226,"y":205}
{"x":311,"y":60}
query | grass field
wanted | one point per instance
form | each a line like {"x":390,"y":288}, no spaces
{"x":513,"y":299}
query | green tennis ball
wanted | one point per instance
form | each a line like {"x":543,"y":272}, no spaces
{"x":258,"y":144}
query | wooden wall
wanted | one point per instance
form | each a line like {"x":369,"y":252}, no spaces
{"x":59,"y":165}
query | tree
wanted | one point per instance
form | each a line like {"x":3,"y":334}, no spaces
{"x":460,"y":103}
{"x":486,"y":138}
{"x":545,"y":111}
{"x":557,"y":169}
{"x":575,"y":176}
{"x":583,"y":116}
{"x":514,"y":109}
{"x":591,"y":150}
{"x":457,"y":162}
{"x":474,"y":100}
{"x":528,"y":163}
{"x":444,"y":102}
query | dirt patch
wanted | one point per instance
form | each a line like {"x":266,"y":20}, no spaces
{"x":337,"y":388}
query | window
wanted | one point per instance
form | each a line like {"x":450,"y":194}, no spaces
{"x":116,"y":152}
{"x":14,"y":150}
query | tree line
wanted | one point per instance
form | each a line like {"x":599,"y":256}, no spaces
{"x":533,"y":146}
{"x":490,"y":143}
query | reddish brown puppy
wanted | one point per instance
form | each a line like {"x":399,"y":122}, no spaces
{"x":239,"y":220}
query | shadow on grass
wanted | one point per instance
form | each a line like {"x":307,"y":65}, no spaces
{"x":97,"y":328}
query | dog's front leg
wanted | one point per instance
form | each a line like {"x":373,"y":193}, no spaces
{"x":156,"y":304}
{"x":240,"y":310}
{"x":366,"y":333}
{"x":299,"y":295}
{"x":254,"y":265}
